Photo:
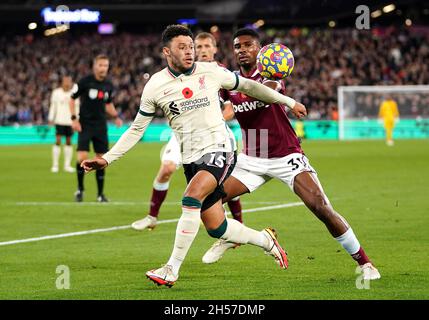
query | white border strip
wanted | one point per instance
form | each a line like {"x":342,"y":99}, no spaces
{"x":80,"y":233}
{"x":116,"y":203}
{"x":379,"y":88}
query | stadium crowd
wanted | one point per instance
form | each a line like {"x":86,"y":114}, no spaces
{"x":31,"y":66}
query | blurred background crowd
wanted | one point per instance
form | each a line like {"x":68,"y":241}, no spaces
{"x":31,"y":66}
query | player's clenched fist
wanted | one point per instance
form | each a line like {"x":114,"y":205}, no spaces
{"x":299,"y":110}
{"x":94,"y":164}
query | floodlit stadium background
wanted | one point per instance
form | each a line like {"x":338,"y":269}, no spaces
{"x":381,"y":190}
{"x":330,"y":49}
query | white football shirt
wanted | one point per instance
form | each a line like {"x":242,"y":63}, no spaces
{"x":59,"y":110}
{"x":190,"y":102}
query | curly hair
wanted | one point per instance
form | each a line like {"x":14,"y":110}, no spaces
{"x":174,"y":30}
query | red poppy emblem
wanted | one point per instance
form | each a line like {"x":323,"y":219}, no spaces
{"x":187,"y":93}
{"x":100,"y":95}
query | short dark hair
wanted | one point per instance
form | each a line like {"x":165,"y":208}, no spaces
{"x":246,"y":32}
{"x":175,"y":30}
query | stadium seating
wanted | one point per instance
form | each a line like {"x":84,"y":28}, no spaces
{"x":31,"y":66}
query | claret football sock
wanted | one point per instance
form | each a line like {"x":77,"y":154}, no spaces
{"x":351,"y":244}
{"x":360,"y":257}
{"x":235,"y":207}
{"x":159,"y":192}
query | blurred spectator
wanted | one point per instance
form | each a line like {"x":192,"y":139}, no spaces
{"x":31,"y":67}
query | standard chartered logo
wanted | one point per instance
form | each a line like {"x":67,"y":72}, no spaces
{"x":194,"y":104}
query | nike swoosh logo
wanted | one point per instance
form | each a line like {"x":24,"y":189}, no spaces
{"x":186,"y":232}
{"x":167,"y":91}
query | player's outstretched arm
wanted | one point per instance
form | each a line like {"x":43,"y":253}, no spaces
{"x":128,"y":139}
{"x":299,"y":110}
{"x":266,"y":94}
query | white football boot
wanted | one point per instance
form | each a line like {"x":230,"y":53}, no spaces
{"x":147,"y":222}
{"x":217,"y":250}
{"x":370,"y":272}
{"x":163,"y":276}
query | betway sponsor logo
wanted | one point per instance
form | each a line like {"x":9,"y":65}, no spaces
{"x":249,"y":106}
{"x":194,"y":104}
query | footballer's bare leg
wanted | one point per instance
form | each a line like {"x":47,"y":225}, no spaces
{"x":200,"y":186}
{"x":309,"y":189}
{"x":234,"y":203}
{"x":82,"y":155}
{"x":58,"y":140}
{"x":232,"y":231}
{"x":306,"y":186}
{"x":233,"y":188}
{"x":159,"y":193}
{"x":165,"y":172}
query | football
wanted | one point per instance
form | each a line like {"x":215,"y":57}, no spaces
{"x":275,"y":61}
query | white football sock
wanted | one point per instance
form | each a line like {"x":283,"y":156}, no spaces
{"x":56,"y":151}
{"x":238,"y":233}
{"x":161,"y":186}
{"x":68,"y":155}
{"x":349,"y":241}
{"x":186,"y":231}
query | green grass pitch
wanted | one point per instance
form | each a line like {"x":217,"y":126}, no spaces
{"x":382,"y":191}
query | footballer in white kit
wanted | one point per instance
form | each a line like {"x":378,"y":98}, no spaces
{"x":171,"y":157}
{"x":60,"y":116}
{"x":187,"y":92}
{"x":197,"y":133}
{"x":190,"y":102}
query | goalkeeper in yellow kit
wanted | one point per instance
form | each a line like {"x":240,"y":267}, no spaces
{"x":390,"y":115}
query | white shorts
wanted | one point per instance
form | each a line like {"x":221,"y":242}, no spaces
{"x":172,"y":152}
{"x":253,"y":172}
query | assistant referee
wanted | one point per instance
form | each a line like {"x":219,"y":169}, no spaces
{"x":95,"y":93}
